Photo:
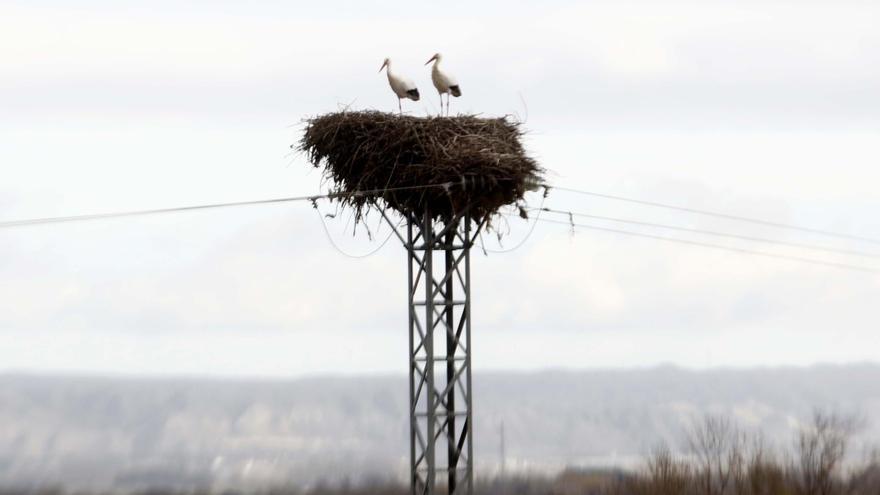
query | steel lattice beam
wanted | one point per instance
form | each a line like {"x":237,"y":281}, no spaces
{"x":438,"y":299}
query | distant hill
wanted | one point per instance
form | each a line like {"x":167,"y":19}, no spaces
{"x":129,"y":433}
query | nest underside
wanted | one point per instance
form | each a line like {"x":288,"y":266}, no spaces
{"x":441,"y":165}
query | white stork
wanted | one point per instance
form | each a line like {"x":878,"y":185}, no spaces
{"x":444,"y":82}
{"x":402,"y":87}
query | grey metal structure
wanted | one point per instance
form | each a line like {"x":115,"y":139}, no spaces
{"x":439,"y":305}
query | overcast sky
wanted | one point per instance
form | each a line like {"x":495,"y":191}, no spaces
{"x":758,"y":108}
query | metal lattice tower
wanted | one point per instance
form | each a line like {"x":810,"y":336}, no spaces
{"x":439,"y":305}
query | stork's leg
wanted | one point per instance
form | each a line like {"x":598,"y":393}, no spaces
{"x":399,"y":106}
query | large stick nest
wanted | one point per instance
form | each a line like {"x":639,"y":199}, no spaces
{"x":443,"y":164}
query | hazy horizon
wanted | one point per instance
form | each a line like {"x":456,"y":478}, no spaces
{"x":89,"y":374}
{"x":123,"y":433}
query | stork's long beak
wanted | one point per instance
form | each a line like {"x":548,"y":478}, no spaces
{"x":431,"y":60}
{"x":383,"y":66}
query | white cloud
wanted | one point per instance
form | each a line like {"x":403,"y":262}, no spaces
{"x":756,"y":109}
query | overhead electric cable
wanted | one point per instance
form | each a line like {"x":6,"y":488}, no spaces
{"x":711,"y":232}
{"x":346,"y":253}
{"x":715,"y":246}
{"x":524,"y":239}
{"x":133,"y":213}
{"x":758,"y":221}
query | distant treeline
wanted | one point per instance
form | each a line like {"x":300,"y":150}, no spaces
{"x":723,"y":460}
{"x":720,"y":460}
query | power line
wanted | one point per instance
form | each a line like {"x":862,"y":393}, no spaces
{"x":719,"y":215}
{"x":133,"y":213}
{"x":715,"y":246}
{"x":524,"y":239}
{"x":342,"y":251}
{"x":714,"y":233}
{"x":313,"y":198}
{"x":178,"y":209}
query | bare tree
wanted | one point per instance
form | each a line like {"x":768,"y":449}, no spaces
{"x":665,"y":475}
{"x":724,"y":461}
{"x":866,"y":479}
{"x":764,"y":475}
{"x":717,"y":446}
{"x":820,"y":450}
